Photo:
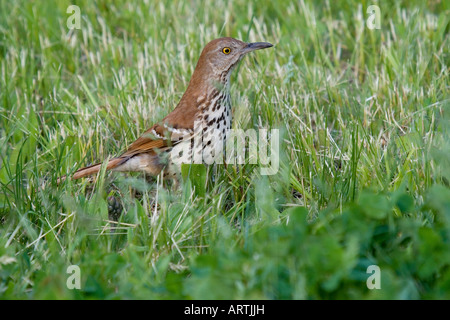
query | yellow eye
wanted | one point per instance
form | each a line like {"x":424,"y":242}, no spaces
{"x":226,"y":50}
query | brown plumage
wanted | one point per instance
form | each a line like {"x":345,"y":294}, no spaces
{"x":206,"y":102}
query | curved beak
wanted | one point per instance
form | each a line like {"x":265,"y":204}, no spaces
{"x":256,"y":46}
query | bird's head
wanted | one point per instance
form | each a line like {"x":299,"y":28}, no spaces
{"x":220,"y":56}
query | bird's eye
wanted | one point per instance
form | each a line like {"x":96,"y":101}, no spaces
{"x":226,"y":50}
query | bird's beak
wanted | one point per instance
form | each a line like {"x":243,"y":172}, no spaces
{"x":256,"y":46}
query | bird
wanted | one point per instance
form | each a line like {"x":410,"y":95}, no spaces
{"x":203,"y":113}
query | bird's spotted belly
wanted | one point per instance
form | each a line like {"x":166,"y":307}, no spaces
{"x":207,"y":143}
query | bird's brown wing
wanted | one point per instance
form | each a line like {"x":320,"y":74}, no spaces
{"x":147,"y":142}
{"x":160,"y":136}
{"x":157,"y":138}
{"x":177,"y":126}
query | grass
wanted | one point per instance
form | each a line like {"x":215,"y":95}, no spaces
{"x":364,"y":173}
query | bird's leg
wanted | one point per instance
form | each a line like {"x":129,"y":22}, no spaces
{"x":115,"y":207}
{"x":175,"y":182}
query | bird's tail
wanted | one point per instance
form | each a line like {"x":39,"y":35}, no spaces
{"x":93,"y":169}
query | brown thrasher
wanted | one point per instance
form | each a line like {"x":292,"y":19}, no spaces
{"x":204,"y":110}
